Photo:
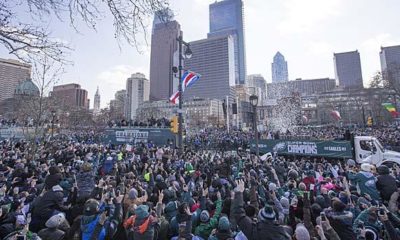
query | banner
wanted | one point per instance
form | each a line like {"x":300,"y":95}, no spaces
{"x":314,"y":148}
{"x":159,"y":136}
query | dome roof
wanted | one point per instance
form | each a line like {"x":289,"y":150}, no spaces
{"x":27,"y":87}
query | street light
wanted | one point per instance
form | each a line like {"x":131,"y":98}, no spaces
{"x":188,"y":54}
{"x":53,"y":114}
{"x":254,"y":103}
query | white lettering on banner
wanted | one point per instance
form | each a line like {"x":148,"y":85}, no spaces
{"x":302,"y":147}
{"x":130,"y":135}
{"x":335,"y":149}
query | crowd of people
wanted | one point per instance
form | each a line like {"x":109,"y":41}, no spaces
{"x":78,"y":188}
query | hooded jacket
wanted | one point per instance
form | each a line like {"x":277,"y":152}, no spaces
{"x":386,"y":183}
{"x":366,"y":184}
{"x":341,"y":222}
{"x":262,"y":230}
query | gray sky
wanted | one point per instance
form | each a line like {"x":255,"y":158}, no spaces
{"x":306,"y":32}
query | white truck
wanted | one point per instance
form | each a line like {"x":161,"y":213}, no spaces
{"x":363,"y":149}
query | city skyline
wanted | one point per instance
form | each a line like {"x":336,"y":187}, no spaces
{"x":308,"y":33}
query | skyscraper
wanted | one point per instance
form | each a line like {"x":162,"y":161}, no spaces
{"x":12,"y":72}
{"x":213,"y":58}
{"x":96,"y":103}
{"x":137,"y":92}
{"x":71,"y":95}
{"x":390,"y":63}
{"x":258,"y":83}
{"x":226,"y":18}
{"x":279,"y":69}
{"x":163,"y":49}
{"x":348,"y":69}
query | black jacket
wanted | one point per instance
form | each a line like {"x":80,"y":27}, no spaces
{"x":262,"y":230}
{"x":51,"y":234}
{"x":52,"y":200}
{"x":386,"y":183}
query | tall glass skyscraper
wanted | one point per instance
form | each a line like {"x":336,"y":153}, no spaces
{"x":226,"y":18}
{"x":390,"y":63}
{"x":279,"y":69}
{"x":164,"y":48}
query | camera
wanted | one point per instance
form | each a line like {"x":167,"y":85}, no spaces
{"x":323,"y":216}
{"x":381,"y":211}
{"x":360,"y":225}
{"x":20,"y":237}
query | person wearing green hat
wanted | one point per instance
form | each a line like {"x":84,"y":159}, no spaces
{"x":208,"y":224}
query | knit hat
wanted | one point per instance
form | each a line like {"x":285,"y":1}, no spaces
{"x":87,"y":167}
{"x":171,"y":209}
{"x":142,"y":212}
{"x":159,"y":178}
{"x":91,"y":207}
{"x":351,"y":163}
{"x":204,"y":216}
{"x":224,"y":224}
{"x":53,"y":170}
{"x":55,"y":221}
{"x":132,"y":194}
{"x":320,"y":200}
{"x":285,"y":203}
{"x":301,"y":232}
{"x":266,"y":213}
{"x":366,"y":167}
{"x":271,"y":186}
{"x":293,"y":174}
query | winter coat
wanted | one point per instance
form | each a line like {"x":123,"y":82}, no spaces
{"x":52,"y":200}
{"x":150,"y":232}
{"x":86,"y":183}
{"x":204,"y":229}
{"x":386,"y":184}
{"x":366,"y":183}
{"x":51,"y":234}
{"x":263,"y":230}
{"x":341,"y":222}
{"x":7,"y":224}
{"x":87,"y":227}
{"x":52,"y":180}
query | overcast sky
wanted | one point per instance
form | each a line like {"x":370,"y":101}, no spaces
{"x":306,"y":32}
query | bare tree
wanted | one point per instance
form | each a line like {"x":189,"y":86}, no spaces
{"x":388,"y":79}
{"x":38,"y":108}
{"x":27,"y":40}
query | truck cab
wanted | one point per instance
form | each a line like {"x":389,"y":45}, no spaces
{"x":368,"y":149}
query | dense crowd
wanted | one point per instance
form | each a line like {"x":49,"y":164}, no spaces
{"x":77,"y":188}
{"x":150,"y":122}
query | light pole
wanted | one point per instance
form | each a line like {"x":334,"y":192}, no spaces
{"x":188,"y":55}
{"x":53,"y":115}
{"x":254,"y":103}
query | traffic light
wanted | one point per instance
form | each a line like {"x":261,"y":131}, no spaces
{"x":174,"y":124}
{"x":370,"y":121}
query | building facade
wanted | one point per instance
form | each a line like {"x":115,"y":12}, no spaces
{"x":117,"y":105}
{"x":390,"y":63}
{"x":71,"y":96}
{"x":348,"y":69}
{"x":213,"y":59}
{"x":12,"y":72}
{"x":197,"y":112}
{"x":258,"y":83}
{"x":227,"y":18}
{"x":302,"y":87}
{"x":279,"y":69}
{"x":137,"y":92}
{"x":163,"y":57}
{"x":96,"y":102}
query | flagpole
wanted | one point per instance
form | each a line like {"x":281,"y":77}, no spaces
{"x":180,"y":116}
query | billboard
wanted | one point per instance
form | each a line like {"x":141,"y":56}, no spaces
{"x":335,"y":149}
